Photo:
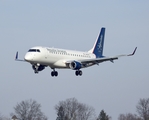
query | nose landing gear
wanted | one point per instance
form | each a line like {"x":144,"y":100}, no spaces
{"x":36,"y":71}
{"x":37,"y":67}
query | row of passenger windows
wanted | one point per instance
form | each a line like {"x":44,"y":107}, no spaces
{"x":71,"y":54}
{"x":34,"y":50}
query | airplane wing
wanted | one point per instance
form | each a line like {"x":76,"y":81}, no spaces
{"x":103,"y":59}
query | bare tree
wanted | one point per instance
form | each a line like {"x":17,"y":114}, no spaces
{"x":122,"y":117}
{"x":73,"y":110}
{"x":29,"y":110}
{"x":143,"y":108}
{"x":128,"y":116}
{"x":85,"y":112}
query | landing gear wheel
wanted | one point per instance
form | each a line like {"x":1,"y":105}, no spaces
{"x":78,"y":72}
{"x":54,"y":73}
{"x":36,"y":72}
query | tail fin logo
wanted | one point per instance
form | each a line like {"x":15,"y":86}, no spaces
{"x":100,"y":44}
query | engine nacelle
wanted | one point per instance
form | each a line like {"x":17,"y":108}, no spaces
{"x":75,"y":65}
{"x":40,"y":67}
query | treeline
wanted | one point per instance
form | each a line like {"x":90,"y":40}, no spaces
{"x":142,"y":109}
{"x":71,"y":109}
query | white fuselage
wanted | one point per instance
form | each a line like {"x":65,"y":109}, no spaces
{"x":54,"y":57}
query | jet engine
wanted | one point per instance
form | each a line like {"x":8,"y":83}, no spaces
{"x":75,"y":65}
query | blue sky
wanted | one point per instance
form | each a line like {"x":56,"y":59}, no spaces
{"x":116,"y":88}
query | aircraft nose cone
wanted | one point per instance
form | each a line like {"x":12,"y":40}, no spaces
{"x":27,"y":58}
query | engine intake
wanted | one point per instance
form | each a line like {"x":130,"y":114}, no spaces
{"x":75,"y":65}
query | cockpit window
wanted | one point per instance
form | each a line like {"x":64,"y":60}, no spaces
{"x":34,"y":50}
{"x":38,"y":50}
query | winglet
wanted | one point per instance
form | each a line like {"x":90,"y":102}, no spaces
{"x":16,"y":56}
{"x":133,"y":52}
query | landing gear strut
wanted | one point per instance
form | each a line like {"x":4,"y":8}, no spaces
{"x":78,"y":72}
{"x":54,"y":73}
{"x":36,"y":68}
{"x":36,"y":72}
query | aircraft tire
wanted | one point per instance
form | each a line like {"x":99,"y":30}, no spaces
{"x":54,"y":73}
{"x":77,"y":73}
{"x":36,"y":72}
{"x":80,"y":72}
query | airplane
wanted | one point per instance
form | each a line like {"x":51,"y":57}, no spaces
{"x":40,"y":57}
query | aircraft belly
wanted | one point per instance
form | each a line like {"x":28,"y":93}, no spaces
{"x":60,"y":64}
{"x":55,"y":62}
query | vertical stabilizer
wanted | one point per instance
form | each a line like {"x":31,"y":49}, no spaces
{"x":99,"y":43}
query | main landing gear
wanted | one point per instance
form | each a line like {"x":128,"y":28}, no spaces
{"x":78,"y":72}
{"x":54,"y":73}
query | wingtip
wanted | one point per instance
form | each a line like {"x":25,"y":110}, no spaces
{"x":133,"y":52}
{"x":16,"y":57}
